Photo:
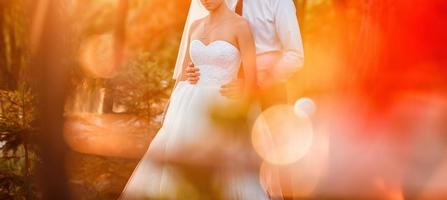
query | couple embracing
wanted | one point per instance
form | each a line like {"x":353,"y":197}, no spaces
{"x":230,"y":50}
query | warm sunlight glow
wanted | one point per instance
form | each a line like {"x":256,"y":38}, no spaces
{"x":280,"y":136}
{"x":97,"y":56}
{"x":107,"y":135}
{"x":299,"y":179}
{"x":294,"y":99}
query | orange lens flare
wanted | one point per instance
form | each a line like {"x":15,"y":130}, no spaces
{"x":298,"y":179}
{"x":97,"y":56}
{"x":280,"y":136}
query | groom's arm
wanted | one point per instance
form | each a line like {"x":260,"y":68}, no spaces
{"x":288,"y":31}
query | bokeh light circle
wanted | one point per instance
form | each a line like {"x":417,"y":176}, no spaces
{"x":299,"y":180}
{"x":280,"y":136}
{"x":97,"y":56}
{"x":305,"y":105}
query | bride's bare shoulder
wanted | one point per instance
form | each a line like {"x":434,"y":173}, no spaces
{"x":240,"y":23}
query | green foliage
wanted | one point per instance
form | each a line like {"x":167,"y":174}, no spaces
{"x":8,"y":186}
{"x":17,"y":117}
{"x":96,"y":177}
{"x":143,"y":86}
{"x":17,"y":152}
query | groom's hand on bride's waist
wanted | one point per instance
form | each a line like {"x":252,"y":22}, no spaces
{"x":233,"y":90}
{"x":192,"y":73}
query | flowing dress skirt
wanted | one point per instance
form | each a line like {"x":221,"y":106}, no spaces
{"x":187,"y":122}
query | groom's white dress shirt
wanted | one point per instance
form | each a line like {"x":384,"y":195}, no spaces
{"x":277,"y":36}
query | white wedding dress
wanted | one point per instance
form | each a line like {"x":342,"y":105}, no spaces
{"x":187,"y":121}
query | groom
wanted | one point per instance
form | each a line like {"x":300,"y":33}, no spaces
{"x":279,"y":49}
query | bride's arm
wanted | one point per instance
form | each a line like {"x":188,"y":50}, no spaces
{"x":248,"y":56}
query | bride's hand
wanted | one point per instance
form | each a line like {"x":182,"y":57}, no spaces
{"x":192,"y":73}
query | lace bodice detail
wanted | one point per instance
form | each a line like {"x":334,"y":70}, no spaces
{"x":218,"y":61}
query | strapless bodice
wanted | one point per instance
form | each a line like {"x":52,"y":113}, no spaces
{"x":218,"y":61}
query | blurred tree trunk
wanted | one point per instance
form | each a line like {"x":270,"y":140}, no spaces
{"x":13,"y":50}
{"x":4,"y":81}
{"x":6,"y":77}
{"x":49,"y":65}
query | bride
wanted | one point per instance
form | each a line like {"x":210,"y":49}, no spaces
{"x":218,"y":41}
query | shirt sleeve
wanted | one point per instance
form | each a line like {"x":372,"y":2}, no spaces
{"x":288,"y":31}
